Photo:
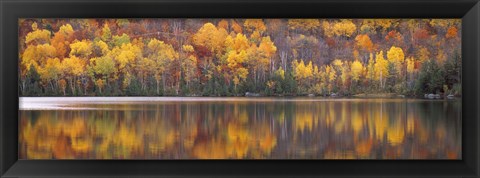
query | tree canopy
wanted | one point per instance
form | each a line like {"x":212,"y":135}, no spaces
{"x":229,"y":57}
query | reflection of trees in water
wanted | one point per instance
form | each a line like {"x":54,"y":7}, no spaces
{"x":329,"y":129}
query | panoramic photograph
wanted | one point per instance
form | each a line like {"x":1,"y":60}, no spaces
{"x":199,"y":88}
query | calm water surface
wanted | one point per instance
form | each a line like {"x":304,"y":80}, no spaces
{"x":238,"y":128}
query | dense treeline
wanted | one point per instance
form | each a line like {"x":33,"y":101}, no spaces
{"x":229,"y":57}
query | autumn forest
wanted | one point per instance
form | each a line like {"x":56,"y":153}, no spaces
{"x":232,"y":57}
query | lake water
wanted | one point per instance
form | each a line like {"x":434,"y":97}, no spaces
{"x":238,"y":128}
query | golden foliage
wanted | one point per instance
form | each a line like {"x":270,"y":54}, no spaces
{"x":410,"y":65}
{"x":304,"y":24}
{"x":302,"y":71}
{"x":281,"y":73}
{"x":344,"y":28}
{"x":81,"y":48}
{"x":66,"y":29}
{"x":396,"y":57}
{"x":51,"y":70}
{"x":381,"y":66}
{"x":74,"y":66}
{"x":267,"y":47}
{"x":357,"y":70}
{"x":38,"y":36}
{"x":252,"y":25}
{"x":211,"y":37}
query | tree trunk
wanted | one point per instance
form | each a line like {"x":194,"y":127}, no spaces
{"x":72,"y":87}
{"x":178,"y":80}
{"x":158,"y":87}
{"x":255,"y":78}
{"x":381,"y":80}
{"x":23,"y":86}
{"x":51,"y":85}
{"x":164,"y":83}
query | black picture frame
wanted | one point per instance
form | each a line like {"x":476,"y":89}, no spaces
{"x":12,"y":10}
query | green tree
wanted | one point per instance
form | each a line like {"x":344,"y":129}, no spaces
{"x":430,"y":78}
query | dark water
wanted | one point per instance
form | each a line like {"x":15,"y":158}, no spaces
{"x":239,"y":128}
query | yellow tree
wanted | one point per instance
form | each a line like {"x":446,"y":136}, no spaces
{"x":81,"y":49}
{"x":255,"y":59}
{"x":257,"y":63}
{"x":162,"y":55}
{"x":304,"y":24}
{"x":345,"y":68}
{"x":317,"y":82}
{"x":66,"y":29}
{"x":36,"y":55}
{"x":302,"y":72}
{"x":344,"y":28}
{"x":188,"y":63}
{"x":268,"y":49}
{"x":238,"y":54}
{"x":38,"y":48}
{"x":236,"y":65}
{"x":73,"y":68}
{"x":252,"y":25}
{"x":255,"y":37}
{"x":337,"y":65}
{"x":385,"y":24}
{"x":104,"y":67}
{"x":106,"y":33}
{"x":328,"y":29}
{"x":145,"y":68}
{"x":410,"y":69}
{"x":381,"y":69}
{"x":356,"y":70}
{"x":371,"y":68}
{"x":100,"y":48}
{"x":50,"y":72}
{"x":126,"y":56}
{"x":396,"y":57}
{"x":331,"y":77}
{"x":210,"y":37}
{"x":213,"y":39}
{"x":37,"y":36}
{"x":240,"y":42}
{"x":410,"y":65}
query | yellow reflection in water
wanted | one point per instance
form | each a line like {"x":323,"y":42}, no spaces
{"x":358,"y":129}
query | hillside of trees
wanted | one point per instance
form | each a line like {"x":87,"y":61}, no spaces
{"x":229,"y":57}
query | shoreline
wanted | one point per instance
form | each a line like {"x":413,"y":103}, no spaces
{"x":86,"y":103}
{"x":359,"y":96}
